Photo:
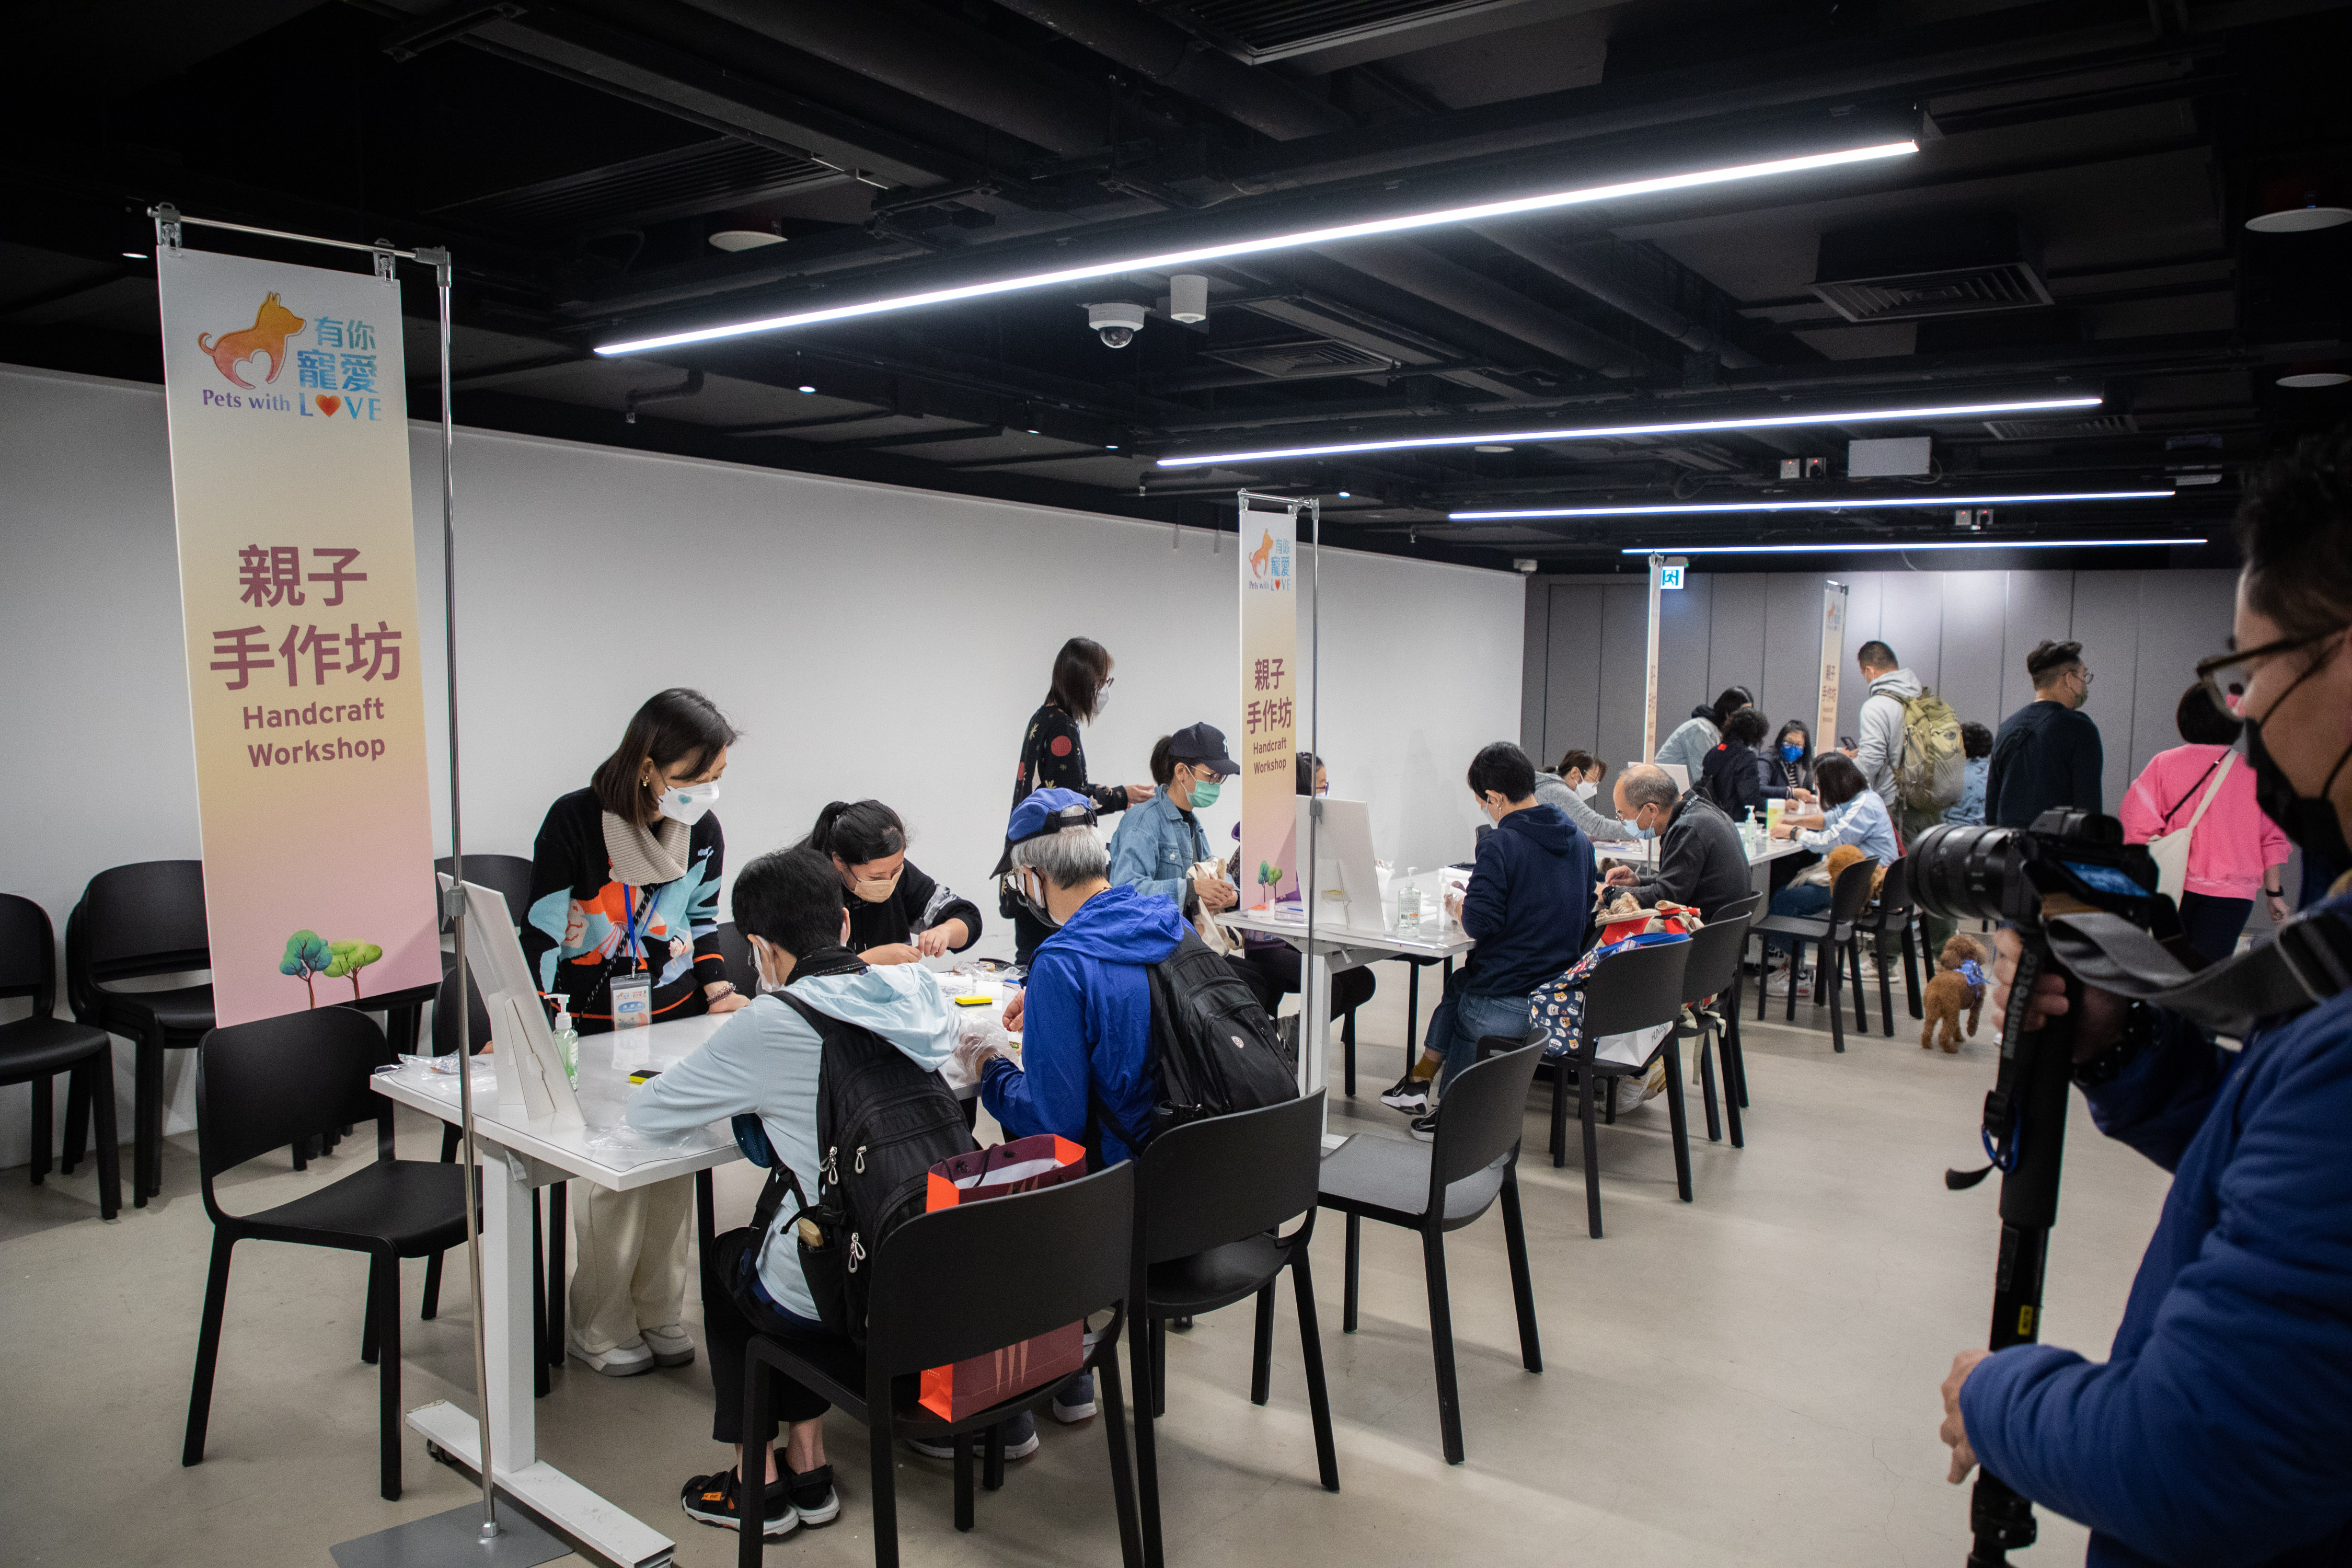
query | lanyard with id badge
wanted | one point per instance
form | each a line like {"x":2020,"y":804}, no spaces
{"x":632,"y":993}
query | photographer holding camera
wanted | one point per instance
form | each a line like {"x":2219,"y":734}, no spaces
{"x":2219,"y":1431}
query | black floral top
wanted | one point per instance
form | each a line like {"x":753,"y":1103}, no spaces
{"x":1053,"y":757}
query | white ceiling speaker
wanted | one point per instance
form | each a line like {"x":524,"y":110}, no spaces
{"x":2302,"y":379}
{"x":1115,"y":323}
{"x":1188,"y":298}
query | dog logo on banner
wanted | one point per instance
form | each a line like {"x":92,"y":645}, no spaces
{"x":272,"y":325}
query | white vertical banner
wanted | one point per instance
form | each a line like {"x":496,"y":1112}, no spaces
{"x":1269,"y":705}
{"x":298,"y":581}
{"x":1825,"y":712}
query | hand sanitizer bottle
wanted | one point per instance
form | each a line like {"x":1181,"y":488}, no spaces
{"x":1409,"y":901}
{"x":567,"y":1040}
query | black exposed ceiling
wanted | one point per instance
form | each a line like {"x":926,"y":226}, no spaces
{"x":2074,"y":220}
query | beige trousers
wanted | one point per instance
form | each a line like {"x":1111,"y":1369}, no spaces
{"x":632,"y":1268}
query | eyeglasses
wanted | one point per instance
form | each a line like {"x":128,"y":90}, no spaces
{"x":2224,"y":676}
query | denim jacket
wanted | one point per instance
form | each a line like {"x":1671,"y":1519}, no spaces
{"x":1155,"y":849}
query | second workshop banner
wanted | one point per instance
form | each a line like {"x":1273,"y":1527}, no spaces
{"x":297,"y":583}
{"x":1269,"y":865}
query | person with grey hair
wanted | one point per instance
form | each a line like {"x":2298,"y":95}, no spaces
{"x":1701,"y":862}
{"x":1085,"y":1071}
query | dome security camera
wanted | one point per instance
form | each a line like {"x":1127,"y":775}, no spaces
{"x":1115,"y":323}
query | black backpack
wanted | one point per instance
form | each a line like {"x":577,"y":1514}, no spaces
{"x":882,"y":1122}
{"x":1215,"y":1048}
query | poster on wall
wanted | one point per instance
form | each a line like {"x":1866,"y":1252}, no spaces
{"x":1269,"y":668}
{"x":297,"y":584}
{"x":1825,"y":712}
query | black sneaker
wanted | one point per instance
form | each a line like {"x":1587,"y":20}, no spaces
{"x":1424,"y":1128}
{"x":713,"y":1500}
{"x":1074,"y":1401}
{"x":1020,"y":1440}
{"x":813,"y":1497}
{"x":1408,"y":1094}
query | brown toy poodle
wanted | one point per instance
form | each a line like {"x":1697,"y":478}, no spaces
{"x":1959,"y":982}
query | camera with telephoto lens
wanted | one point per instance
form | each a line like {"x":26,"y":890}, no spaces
{"x":2068,"y":862}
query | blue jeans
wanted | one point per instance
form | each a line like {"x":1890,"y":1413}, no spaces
{"x":1465,"y":1017}
{"x":1801,"y":899}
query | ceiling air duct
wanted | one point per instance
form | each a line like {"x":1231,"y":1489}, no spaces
{"x":1923,"y":268}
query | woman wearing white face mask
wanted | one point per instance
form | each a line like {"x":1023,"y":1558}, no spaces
{"x":625,"y":912}
{"x":897,"y":914}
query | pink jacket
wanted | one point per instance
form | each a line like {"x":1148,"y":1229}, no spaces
{"x":2231,"y":846}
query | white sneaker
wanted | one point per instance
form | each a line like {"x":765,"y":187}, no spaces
{"x":1777,"y":983}
{"x":621,"y":1361}
{"x":671,"y":1345}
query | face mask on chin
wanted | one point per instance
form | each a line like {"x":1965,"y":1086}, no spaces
{"x":2311,"y":822}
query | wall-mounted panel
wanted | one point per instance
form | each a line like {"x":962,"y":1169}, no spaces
{"x":2106,"y":622}
{"x":1625,"y":626}
{"x":1968,"y":674}
{"x":1572,"y":701}
{"x":2039,"y":605}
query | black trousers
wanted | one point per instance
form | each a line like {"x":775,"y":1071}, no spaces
{"x":727,"y":1329}
{"x":1273,"y":973}
{"x":2212,"y":924}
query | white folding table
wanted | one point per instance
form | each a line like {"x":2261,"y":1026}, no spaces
{"x":1332,"y":950}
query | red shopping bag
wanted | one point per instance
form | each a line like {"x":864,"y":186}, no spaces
{"x":1023,"y":1166}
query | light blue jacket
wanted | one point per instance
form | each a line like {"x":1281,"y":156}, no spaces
{"x":1155,"y":847}
{"x":765,"y":1057}
{"x":1862,"y":822}
{"x":1968,"y":810}
{"x":1692,"y":740}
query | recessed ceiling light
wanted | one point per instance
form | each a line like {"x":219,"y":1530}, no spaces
{"x":1346,"y":495}
{"x":808,"y":389}
{"x":1110,"y":446}
{"x":733,"y":239}
{"x":2309,"y":378}
{"x":1168,"y":260}
{"x":1489,"y":447}
{"x":1676,"y":427}
{"x":134,"y":256}
{"x":2299,"y":220}
{"x":1850,"y":503}
{"x":1831,"y":548}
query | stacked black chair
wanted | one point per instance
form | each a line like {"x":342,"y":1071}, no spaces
{"x":1838,"y":933}
{"x":1711,"y":975}
{"x":1211,"y":1200}
{"x":509,"y":876}
{"x":34,"y":1049}
{"x":1024,"y":1265}
{"x":1640,"y":988}
{"x":133,"y":922}
{"x":1892,"y":916}
{"x":1442,"y":1185}
{"x":259,"y":1087}
{"x":735,"y":949}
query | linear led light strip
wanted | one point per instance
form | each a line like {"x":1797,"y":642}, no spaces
{"x":1858,"y":503}
{"x":1678,"y":427}
{"x":1827,"y":548}
{"x":1197,"y":254}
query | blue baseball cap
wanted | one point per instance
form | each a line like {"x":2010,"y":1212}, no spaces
{"x":1046,"y":810}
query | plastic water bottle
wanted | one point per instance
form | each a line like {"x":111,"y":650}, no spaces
{"x":1407,"y":901}
{"x":567,"y":1040}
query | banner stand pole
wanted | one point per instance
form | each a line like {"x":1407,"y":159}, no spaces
{"x":519,"y":1544}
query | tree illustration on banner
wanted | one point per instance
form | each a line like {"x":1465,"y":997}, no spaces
{"x":350,"y":958}
{"x":307,"y":954}
{"x":1269,"y":877}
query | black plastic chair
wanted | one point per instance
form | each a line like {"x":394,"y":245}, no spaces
{"x":735,"y":949}
{"x":1441,"y":1185}
{"x":1021,"y":1266}
{"x":1637,"y":989}
{"x":1735,"y":1061}
{"x":1211,"y":1200}
{"x":135,"y":921}
{"x":260,"y":1086}
{"x":1892,"y":916}
{"x":1837,"y":932}
{"x":509,"y":876}
{"x":34,"y":1049}
{"x":1710,"y":978}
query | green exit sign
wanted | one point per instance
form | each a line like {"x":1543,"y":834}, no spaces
{"x":1670,"y":576}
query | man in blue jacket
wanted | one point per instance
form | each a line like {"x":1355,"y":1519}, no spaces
{"x":2219,"y":1430}
{"x":1528,"y":901}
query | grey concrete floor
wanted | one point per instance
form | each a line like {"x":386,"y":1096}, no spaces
{"x":1750,"y":1378}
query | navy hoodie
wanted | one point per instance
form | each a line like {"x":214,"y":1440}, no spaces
{"x":1527,"y":902}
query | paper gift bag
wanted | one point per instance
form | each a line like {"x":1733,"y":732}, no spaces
{"x":1022,"y":1165}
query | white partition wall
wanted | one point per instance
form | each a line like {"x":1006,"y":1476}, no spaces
{"x":868,"y":640}
{"x":1966,"y":634}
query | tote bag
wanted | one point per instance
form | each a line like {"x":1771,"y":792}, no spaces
{"x":2170,"y":851}
{"x":1022,"y":1165}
